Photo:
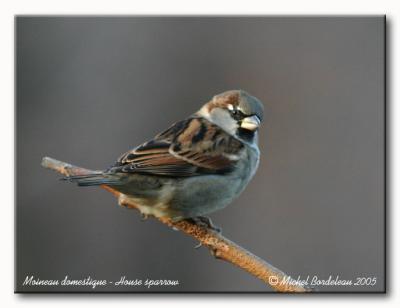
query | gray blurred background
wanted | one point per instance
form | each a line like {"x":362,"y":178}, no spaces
{"x":89,"y":89}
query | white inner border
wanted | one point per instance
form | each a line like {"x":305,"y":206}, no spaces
{"x":10,"y":8}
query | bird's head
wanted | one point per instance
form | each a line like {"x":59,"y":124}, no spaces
{"x":236,"y":112}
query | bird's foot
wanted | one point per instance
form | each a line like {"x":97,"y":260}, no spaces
{"x":198,"y":245}
{"x":204,"y":222}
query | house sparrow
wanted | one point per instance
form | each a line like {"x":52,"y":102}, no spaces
{"x":196,"y":166}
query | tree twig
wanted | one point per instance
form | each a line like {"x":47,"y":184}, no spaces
{"x":220,"y":247}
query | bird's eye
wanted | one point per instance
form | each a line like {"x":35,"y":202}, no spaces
{"x":237,"y":114}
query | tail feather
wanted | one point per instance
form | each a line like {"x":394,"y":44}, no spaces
{"x":93,"y":179}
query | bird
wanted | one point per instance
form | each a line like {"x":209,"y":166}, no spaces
{"x":193,"y":168}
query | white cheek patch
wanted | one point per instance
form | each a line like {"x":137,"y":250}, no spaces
{"x":224,"y":120}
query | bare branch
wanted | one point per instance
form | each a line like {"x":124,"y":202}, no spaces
{"x":220,"y":247}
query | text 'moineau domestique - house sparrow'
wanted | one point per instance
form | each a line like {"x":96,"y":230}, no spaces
{"x":196,"y":166}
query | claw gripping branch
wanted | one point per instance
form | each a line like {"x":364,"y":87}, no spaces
{"x":220,"y":247}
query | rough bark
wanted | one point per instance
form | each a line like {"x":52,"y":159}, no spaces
{"x":220,"y":246}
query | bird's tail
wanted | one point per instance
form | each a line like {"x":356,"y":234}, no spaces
{"x":93,"y":179}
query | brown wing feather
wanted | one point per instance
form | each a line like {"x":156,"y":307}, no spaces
{"x":191,"y":147}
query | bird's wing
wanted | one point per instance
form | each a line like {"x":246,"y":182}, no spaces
{"x":190,"y":147}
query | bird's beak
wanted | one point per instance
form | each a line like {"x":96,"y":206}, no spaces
{"x":250,"y":123}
